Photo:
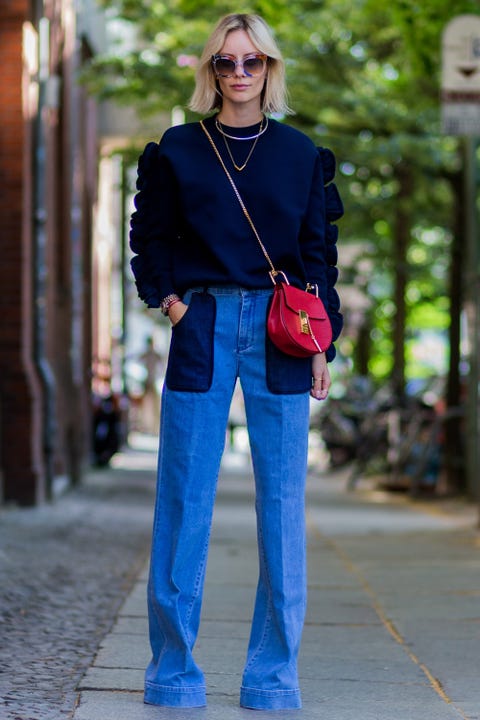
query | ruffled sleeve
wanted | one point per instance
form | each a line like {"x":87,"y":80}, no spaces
{"x":333,"y":212}
{"x":321,"y":233}
{"x":153,"y":227}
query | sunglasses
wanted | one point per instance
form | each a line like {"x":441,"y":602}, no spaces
{"x":252,"y":65}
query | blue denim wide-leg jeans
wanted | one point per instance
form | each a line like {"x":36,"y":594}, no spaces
{"x":192,"y":440}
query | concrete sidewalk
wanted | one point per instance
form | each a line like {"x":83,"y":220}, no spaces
{"x":393,"y":624}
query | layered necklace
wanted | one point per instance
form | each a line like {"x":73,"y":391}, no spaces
{"x":255,"y":138}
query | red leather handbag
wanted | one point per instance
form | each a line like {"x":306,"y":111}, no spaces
{"x":297,"y":322}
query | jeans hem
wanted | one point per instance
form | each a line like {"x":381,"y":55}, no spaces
{"x":175,"y":696}
{"x":258,"y":699}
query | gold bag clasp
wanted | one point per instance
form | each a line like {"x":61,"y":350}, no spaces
{"x":304,"y":325}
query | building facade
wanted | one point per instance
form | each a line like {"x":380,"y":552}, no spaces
{"x":48,"y":188}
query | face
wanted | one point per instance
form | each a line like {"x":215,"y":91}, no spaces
{"x":242,"y":87}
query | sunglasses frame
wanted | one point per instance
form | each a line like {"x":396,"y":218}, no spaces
{"x":232,"y":58}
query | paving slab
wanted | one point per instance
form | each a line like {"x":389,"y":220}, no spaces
{"x":358,"y":642}
{"x":136,"y":603}
{"x":131,"y":625}
{"x":118,"y":651}
{"x":429,"y":607}
{"x":339,"y":606}
{"x":105,"y":678}
{"x":361,"y":669}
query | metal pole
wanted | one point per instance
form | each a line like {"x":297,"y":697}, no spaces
{"x":473,"y":309}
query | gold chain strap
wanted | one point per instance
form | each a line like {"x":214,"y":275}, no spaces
{"x":273,"y":272}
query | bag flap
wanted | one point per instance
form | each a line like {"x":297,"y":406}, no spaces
{"x":297,"y":300}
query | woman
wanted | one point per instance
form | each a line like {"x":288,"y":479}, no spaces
{"x":197,"y":259}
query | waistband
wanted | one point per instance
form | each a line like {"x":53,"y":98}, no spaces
{"x":232,"y":290}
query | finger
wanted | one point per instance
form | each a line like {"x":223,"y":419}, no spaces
{"x":319,"y":394}
{"x":321,"y":386}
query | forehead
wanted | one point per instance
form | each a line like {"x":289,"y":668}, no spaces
{"x":238,"y":43}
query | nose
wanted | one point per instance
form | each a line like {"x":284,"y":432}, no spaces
{"x":239,"y":71}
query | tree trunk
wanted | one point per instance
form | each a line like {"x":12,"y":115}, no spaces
{"x":363,"y":348}
{"x":401,"y":242}
{"x":454,"y":427}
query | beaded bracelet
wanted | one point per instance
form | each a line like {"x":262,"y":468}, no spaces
{"x":167,"y":303}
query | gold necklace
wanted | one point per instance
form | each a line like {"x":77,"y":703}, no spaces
{"x":239,"y":168}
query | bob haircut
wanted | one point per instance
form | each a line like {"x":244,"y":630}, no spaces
{"x":207,"y":96}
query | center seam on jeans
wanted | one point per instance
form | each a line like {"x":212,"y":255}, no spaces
{"x":269,"y":612}
{"x":196,"y":588}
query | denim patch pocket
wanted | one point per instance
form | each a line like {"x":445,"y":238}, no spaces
{"x":190,"y":360}
{"x":287,"y":375}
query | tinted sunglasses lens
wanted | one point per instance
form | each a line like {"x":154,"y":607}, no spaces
{"x":224,"y":67}
{"x":253,"y":66}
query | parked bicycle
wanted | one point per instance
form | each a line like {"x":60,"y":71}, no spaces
{"x":400,"y":443}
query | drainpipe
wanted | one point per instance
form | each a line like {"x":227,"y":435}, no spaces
{"x":40,"y":269}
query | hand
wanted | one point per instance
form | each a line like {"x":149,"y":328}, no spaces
{"x":177,"y":311}
{"x":321,"y":377}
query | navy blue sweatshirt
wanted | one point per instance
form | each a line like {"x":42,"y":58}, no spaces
{"x":189,"y":230}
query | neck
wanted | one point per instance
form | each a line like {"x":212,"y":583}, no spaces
{"x":239,"y":116}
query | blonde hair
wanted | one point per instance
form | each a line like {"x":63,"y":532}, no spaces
{"x":206,"y":95}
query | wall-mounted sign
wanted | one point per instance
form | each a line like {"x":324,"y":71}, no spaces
{"x":461,"y":76}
